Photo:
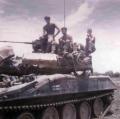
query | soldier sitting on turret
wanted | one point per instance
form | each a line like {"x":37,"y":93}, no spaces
{"x":65,"y":42}
{"x":90,"y":43}
{"x":49,"y":31}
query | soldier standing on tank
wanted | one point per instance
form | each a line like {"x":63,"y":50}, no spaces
{"x":90,"y":42}
{"x":49,"y":31}
{"x":65,"y":42}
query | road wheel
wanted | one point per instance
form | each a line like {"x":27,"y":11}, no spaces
{"x":50,"y":113}
{"x":25,"y":116}
{"x":98,"y":107}
{"x":85,"y":111}
{"x":69,"y":112}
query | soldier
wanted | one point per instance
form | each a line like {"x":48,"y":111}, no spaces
{"x":65,"y":42}
{"x":90,"y":42}
{"x":49,"y":31}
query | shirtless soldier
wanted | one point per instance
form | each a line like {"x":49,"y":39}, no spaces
{"x":49,"y":30}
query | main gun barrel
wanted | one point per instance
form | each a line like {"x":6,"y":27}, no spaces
{"x":16,"y":42}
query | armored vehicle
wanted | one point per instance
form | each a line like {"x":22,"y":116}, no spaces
{"x":48,"y":86}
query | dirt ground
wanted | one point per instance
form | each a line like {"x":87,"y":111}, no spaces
{"x":116,"y":105}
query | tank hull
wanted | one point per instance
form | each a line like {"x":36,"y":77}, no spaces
{"x":53,"y":90}
{"x":53,"y":95}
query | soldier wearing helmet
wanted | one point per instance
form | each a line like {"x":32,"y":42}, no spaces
{"x":90,"y":42}
{"x":49,"y":30}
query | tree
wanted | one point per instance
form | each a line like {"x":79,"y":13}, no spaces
{"x":109,"y":73}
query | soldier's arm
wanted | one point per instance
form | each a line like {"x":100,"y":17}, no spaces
{"x":58,"y":31}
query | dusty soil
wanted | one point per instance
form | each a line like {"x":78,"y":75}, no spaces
{"x":116,"y":105}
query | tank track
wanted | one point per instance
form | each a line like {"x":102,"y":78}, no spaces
{"x":40,"y":106}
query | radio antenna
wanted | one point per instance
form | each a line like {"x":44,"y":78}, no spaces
{"x":64,"y":13}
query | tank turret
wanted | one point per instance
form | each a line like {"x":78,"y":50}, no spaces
{"x":44,"y":63}
{"x":40,"y":63}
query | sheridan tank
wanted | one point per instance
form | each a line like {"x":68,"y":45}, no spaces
{"x":42,"y":86}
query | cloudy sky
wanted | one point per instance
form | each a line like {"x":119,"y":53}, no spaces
{"x":22,"y":20}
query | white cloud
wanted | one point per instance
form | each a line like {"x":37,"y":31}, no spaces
{"x":107,"y":55}
{"x":2,"y":11}
{"x":80,"y":15}
{"x":3,"y":2}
